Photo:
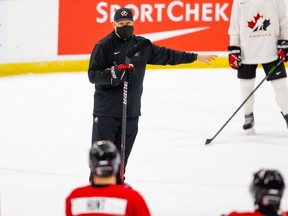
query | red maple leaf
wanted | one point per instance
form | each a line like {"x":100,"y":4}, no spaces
{"x":251,"y":24}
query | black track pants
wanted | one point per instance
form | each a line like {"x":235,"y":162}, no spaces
{"x":107,"y":128}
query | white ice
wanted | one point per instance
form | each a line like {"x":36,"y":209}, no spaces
{"x":45,"y":133}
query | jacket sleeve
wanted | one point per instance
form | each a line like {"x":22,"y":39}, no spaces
{"x":234,"y":27}
{"x":97,"y":65}
{"x":163,"y":56}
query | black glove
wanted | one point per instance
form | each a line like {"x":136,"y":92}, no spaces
{"x":121,"y":72}
{"x":282,"y":47}
{"x":234,"y":57}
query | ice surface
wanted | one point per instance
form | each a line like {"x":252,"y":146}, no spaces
{"x":45,"y":132}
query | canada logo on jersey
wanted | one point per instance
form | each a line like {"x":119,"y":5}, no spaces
{"x":259,"y":23}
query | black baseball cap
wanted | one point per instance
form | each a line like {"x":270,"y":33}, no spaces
{"x":123,"y":14}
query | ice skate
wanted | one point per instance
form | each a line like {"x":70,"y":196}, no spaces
{"x":249,"y":124}
{"x":286,"y":118}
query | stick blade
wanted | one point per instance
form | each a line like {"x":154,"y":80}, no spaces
{"x":208,"y":141}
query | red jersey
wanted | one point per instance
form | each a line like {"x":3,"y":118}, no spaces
{"x":110,"y":200}
{"x":256,"y":213}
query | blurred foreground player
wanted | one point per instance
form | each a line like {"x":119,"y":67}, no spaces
{"x":267,"y":189}
{"x":104,"y":197}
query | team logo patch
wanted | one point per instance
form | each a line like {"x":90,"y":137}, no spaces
{"x":259,"y":23}
{"x":124,"y":13}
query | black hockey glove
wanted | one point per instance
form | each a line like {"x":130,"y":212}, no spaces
{"x":282,"y":47}
{"x":234,"y":57}
{"x":121,"y":72}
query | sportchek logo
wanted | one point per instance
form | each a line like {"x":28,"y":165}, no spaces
{"x":259,"y":23}
{"x":182,"y":25}
{"x":175,"y":11}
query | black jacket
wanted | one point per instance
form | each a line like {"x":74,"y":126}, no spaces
{"x":112,"y":49}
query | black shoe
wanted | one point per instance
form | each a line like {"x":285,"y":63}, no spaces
{"x":249,"y":121}
{"x":286,"y":118}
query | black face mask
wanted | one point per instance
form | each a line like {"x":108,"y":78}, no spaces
{"x":125,"y":31}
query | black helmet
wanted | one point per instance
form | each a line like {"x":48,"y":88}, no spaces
{"x":267,"y":187}
{"x":104,"y":159}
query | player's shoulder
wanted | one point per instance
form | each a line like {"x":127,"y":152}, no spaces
{"x":127,"y":188}
{"x":106,"y":39}
{"x":81,"y":188}
{"x":138,"y":38}
{"x":124,"y":186}
{"x":79,"y":191}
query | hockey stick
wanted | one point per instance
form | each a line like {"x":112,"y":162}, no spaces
{"x":142,"y":44}
{"x":270,"y":72}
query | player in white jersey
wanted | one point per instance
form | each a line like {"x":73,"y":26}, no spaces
{"x":259,"y":35}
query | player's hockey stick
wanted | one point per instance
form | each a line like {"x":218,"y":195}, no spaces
{"x":269,"y":73}
{"x":142,"y":44}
